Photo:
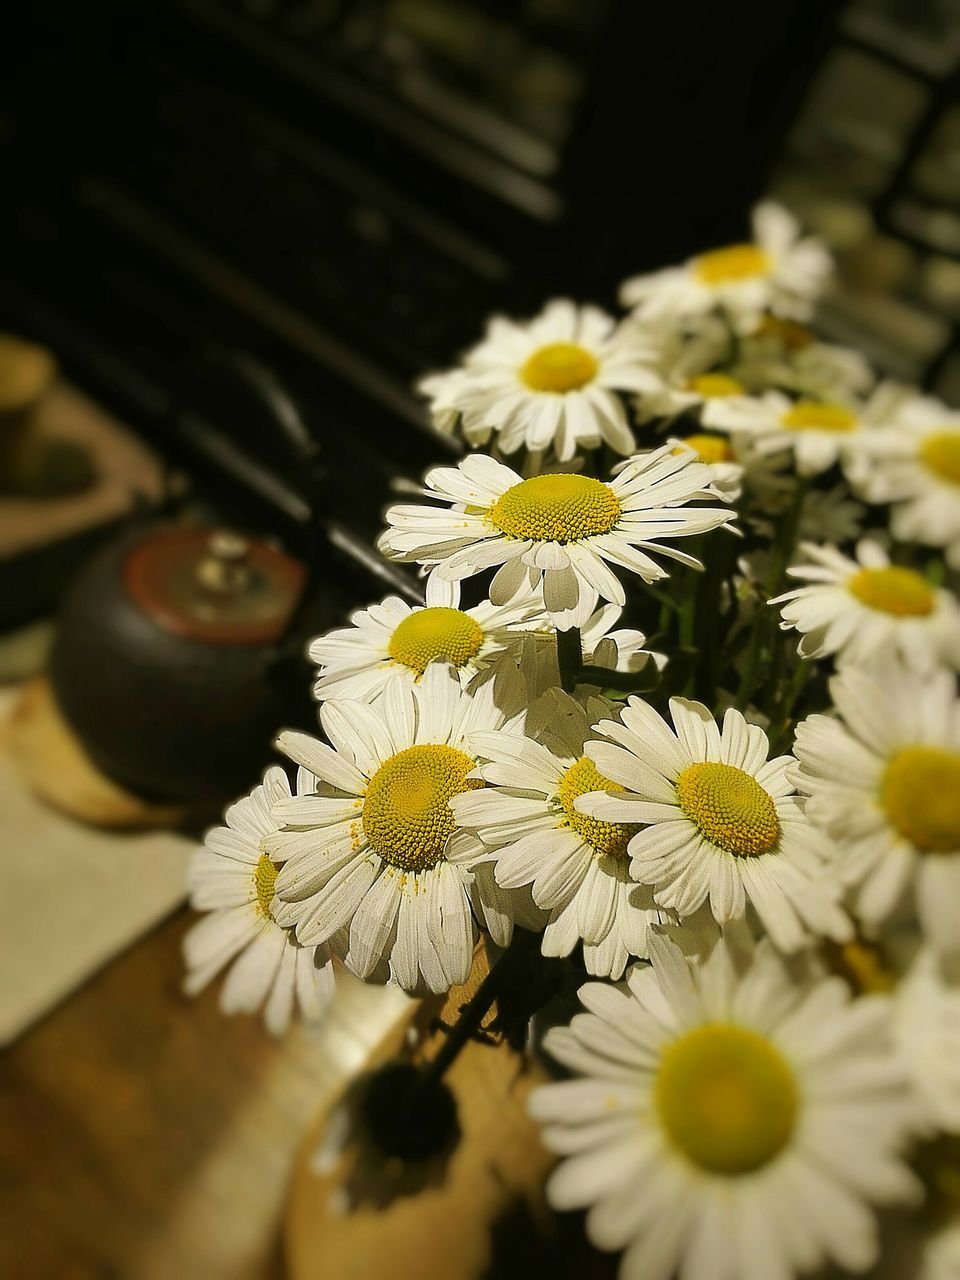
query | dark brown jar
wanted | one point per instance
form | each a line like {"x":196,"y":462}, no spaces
{"x":166,"y":658}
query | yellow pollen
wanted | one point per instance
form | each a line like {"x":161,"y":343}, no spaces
{"x":556,"y":508}
{"x":727,"y":1098}
{"x":709,"y":448}
{"x":406,"y":812}
{"x":559,"y":367}
{"x":940,"y":453}
{"x":435,"y":633}
{"x":818,"y":415}
{"x":904,"y":593}
{"x":714,"y":386}
{"x":608,"y":839}
{"x":729,"y":807}
{"x":736,"y":262}
{"x":795,"y":337}
{"x":264,"y":879}
{"x":920,"y":792}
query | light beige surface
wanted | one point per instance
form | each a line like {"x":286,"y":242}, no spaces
{"x":73,"y":896}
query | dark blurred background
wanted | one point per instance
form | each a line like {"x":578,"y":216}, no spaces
{"x":345,"y":190}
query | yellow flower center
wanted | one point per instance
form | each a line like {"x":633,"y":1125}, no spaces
{"x":940,"y":452}
{"x":920,"y":792}
{"x":715,"y":385}
{"x":608,"y":839}
{"x":556,"y":508}
{"x":709,"y":448}
{"x":559,"y":367}
{"x":264,"y":879}
{"x":406,"y":812}
{"x":727,"y":1098}
{"x":901,"y":592}
{"x":729,"y":807}
{"x":435,"y":633}
{"x":795,"y":337}
{"x":818,"y":415}
{"x":736,"y":262}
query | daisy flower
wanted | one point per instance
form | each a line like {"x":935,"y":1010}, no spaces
{"x":859,"y":609}
{"x":884,"y":781}
{"x":562,"y":529}
{"x":377,"y":849}
{"x":777,"y":270}
{"x":920,"y":474}
{"x":690,"y":366}
{"x":927,"y":1032}
{"x":233,"y":878}
{"x":728,"y":1122}
{"x":392,"y":637}
{"x":818,"y":433}
{"x":782,"y":353}
{"x":555,"y":382}
{"x":577,"y":867}
{"x":721,"y":822}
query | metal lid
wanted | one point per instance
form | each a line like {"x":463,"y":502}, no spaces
{"x":213,"y":586}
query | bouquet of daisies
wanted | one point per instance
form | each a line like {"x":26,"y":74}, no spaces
{"x":679,"y":706}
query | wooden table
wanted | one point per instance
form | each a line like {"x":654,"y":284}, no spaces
{"x":145,"y":1135}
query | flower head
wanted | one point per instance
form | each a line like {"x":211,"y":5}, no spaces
{"x":862,"y":609}
{"x":918,"y":471}
{"x":563,"y":530}
{"x":727,"y":1119}
{"x":553,"y":383}
{"x":783,"y":354}
{"x":816,"y":434}
{"x":533,"y":834}
{"x":376,"y":849}
{"x":393,"y":638}
{"x":775,"y":270}
{"x":716,"y":821}
{"x":234,"y":878}
{"x":883,"y":778}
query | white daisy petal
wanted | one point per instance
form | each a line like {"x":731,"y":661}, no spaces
{"x":883,"y":780}
{"x":765,"y":1177}
{"x":234,"y":878}
{"x":558,"y":528}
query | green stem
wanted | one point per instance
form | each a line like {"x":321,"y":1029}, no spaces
{"x":688,"y":610}
{"x":569,"y":658}
{"x":713,"y":623}
{"x":782,"y":551}
{"x":624,"y":681}
{"x":733,"y":350}
{"x":786,"y":537}
{"x":507,"y":971}
{"x":781,"y":722}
